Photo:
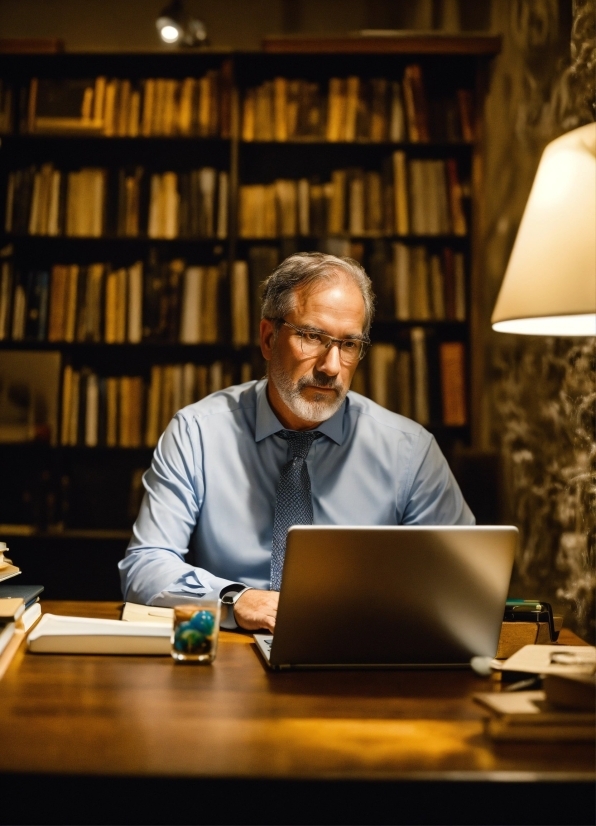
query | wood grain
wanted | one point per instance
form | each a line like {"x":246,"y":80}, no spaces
{"x":147,"y":716}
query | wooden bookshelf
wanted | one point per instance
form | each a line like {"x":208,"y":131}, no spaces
{"x":447,"y":64}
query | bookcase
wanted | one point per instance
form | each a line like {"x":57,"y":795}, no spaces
{"x":145,"y":197}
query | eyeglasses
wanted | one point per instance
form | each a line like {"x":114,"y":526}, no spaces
{"x":313,"y":343}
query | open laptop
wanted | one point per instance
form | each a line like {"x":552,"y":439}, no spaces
{"x":390,"y":597}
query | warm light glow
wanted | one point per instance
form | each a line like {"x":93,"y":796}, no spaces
{"x":555,"y":325}
{"x":550,"y":284}
{"x":169,"y":34}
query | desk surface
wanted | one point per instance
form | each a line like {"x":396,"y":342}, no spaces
{"x":146,"y":716}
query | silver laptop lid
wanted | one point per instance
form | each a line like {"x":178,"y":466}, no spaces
{"x":392,"y":595}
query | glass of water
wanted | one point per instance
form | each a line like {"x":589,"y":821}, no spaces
{"x":195,"y":632}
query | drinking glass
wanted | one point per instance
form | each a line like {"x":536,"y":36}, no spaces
{"x":195,"y":632}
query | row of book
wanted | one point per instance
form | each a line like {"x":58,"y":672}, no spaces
{"x":173,"y":302}
{"x":92,"y":202}
{"x":95,"y":303}
{"x":413,"y":284}
{"x":127,"y":411}
{"x":425,"y":381}
{"x":418,"y":197}
{"x":197,"y":106}
{"x":355,"y":109}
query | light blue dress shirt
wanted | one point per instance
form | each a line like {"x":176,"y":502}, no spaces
{"x":206,"y":520}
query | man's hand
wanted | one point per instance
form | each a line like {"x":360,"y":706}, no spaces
{"x":257,"y":609}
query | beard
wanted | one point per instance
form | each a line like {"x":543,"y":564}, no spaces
{"x":321,"y":407}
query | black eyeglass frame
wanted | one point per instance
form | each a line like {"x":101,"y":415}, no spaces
{"x":365,"y":343}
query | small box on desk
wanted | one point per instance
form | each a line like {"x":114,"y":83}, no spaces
{"x":514,"y":635}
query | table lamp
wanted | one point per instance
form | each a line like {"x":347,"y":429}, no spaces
{"x":550,"y":283}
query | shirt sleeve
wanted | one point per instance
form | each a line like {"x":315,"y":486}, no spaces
{"x":435,"y":497}
{"x":154,"y":570}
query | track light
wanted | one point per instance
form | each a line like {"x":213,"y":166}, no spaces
{"x":175,"y":25}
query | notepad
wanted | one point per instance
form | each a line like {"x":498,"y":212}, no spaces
{"x":132,"y":612}
{"x":81,"y":635}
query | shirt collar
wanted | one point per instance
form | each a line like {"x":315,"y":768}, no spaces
{"x":267,"y":422}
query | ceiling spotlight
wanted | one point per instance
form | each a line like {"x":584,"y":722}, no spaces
{"x":175,"y":25}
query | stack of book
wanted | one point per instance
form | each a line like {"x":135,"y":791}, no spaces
{"x":93,"y":202}
{"x":355,"y":109}
{"x":416,"y":197}
{"x":95,"y":303}
{"x":127,"y":411}
{"x":19,"y":610}
{"x":564,"y":710}
{"x":129,"y":108}
{"x":11,"y":611}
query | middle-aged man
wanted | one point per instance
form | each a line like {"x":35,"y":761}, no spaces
{"x":232,"y":472}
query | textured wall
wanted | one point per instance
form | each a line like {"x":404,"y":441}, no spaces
{"x":540,"y":393}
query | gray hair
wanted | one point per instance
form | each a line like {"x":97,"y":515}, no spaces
{"x":306,"y":268}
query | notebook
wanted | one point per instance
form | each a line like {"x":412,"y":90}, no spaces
{"x":390,"y":597}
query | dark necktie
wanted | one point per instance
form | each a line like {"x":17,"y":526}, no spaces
{"x":293,"y":500}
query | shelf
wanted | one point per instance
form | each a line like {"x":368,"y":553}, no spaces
{"x":121,"y":139}
{"x":388,"y":42}
{"x":362,"y":142}
{"x":113,"y":239}
{"x":150,"y":348}
{"x":74,"y":449}
{"x":318,"y":239}
{"x":31,"y":532}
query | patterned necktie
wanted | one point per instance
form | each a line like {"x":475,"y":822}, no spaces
{"x":293,"y":500}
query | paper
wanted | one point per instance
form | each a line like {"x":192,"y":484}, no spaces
{"x":132,"y":612}
{"x":552,"y":659}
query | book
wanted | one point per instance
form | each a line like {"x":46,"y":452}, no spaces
{"x":528,"y":716}
{"x":30,"y":616}
{"x":453,"y":383}
{"x":10,"y":650}
{"x":571,"y":691}
{"x":11,"y":608}
{"x":28,"y":593}
{"x":420,"y":396}
{"x":7,"y":630}
{"x":81,"y":635}
{"x":240,"y":304}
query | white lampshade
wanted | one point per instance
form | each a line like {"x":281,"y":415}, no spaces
{"x":550,"y":283}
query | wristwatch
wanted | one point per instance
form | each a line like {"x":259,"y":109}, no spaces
{"x":231,"y":597}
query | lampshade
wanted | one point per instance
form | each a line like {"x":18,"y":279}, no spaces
{"x":550,"y":283}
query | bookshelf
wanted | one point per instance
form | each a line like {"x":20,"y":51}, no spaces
{"x":369,"y":147}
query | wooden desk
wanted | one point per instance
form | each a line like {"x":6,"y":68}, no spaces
{"x":123,"y":738}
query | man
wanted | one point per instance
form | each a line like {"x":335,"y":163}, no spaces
{"x":232,"y":472}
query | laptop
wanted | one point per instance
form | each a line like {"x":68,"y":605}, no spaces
{"x":390,"y":597}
